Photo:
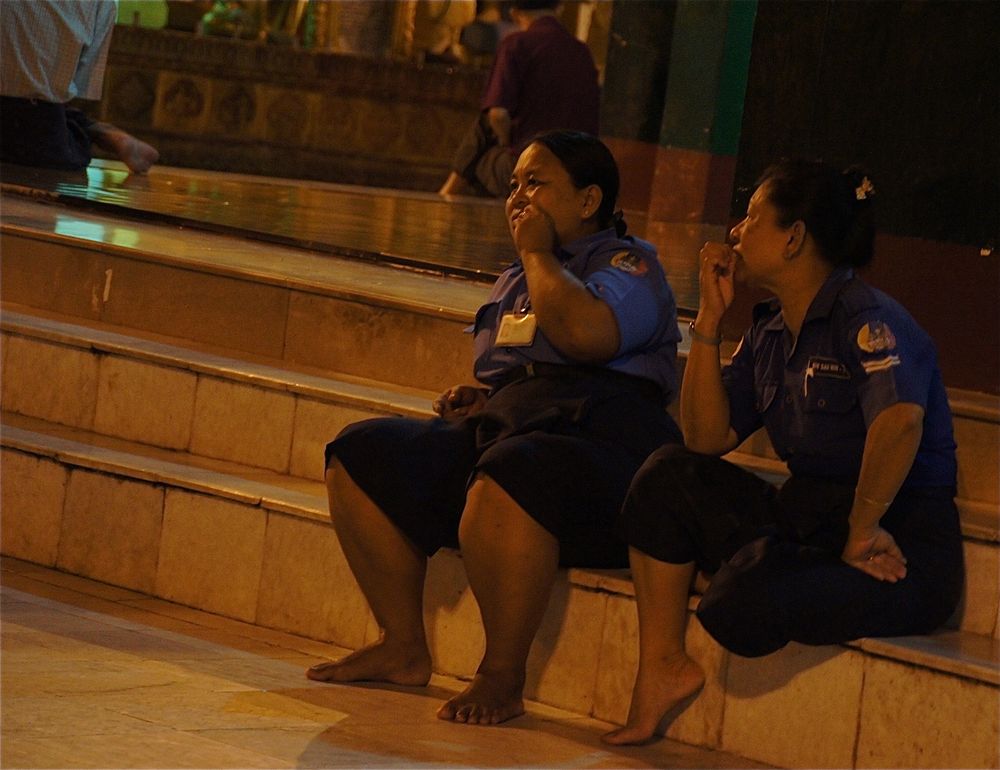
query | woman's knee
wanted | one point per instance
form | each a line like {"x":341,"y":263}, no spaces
{"x":661,"y":476}
{"x":743,"y":608}
{"x":491,"y":515}
{"x":347,"y":501}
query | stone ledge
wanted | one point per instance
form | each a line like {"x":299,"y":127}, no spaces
{"x":980,"y":519}
{"x":364,"y":395}
{"x":968,"y":655}
{"x":282,"y":266}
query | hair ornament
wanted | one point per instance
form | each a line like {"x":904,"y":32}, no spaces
{"x":865,"y":190}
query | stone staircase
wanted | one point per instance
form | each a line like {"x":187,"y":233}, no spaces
{"x":165,"y":402}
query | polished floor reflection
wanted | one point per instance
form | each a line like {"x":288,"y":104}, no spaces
{"x":99,"y":676}
{"x":464,"y":237}
{"x":467,"y":238}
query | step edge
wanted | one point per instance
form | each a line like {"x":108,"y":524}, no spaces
{"x":272,"y":498}
{"x":464,"y":314}
{"x":371,"y":397}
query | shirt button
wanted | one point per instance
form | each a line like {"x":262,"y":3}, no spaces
{"x":821,"y":402}
{"x":788,"y":398}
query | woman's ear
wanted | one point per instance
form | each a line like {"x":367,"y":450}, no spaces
{"x":796,"y":238}
{"x":592,"y":197}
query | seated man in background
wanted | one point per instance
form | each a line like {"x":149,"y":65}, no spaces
{"x":542,"y":79}
{"x":55,"y":51}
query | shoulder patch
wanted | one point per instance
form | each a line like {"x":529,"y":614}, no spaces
{"x":630,"y":263}
{"x":876,"y":336}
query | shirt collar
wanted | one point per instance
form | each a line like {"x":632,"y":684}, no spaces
{"x":583,"y":245}
{"x":822,"y":304}
{"x":545,"y":20}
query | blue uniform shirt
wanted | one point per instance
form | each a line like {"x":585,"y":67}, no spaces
{"x":625,"y":273}
{"x":857,"y":353}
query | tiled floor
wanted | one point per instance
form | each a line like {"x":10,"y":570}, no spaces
{"x":97,"y":676}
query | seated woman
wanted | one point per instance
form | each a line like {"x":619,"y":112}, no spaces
{"x":863,"y":539}
{"x":576,"y":349}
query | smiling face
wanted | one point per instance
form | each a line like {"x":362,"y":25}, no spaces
{"x":540,"y":180}
{"x":760,"y":241}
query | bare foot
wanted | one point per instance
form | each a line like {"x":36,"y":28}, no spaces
{"x":134,"y":153}
{"x":658,"y":689}
{"x":378,"y":662}
{"x":453,"y":185}
{"x":492,"y":698}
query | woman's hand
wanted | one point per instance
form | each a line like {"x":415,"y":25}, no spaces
{"x":715,"y":279}
{"x":874,"y":552}
{"x":460,"y":401}
{"x":533,"y":230}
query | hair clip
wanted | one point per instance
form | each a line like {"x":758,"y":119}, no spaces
{"x":865,"y":190}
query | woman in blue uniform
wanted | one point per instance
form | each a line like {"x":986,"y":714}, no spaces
{"x":864,"y":538}
{"x":574,"y":353}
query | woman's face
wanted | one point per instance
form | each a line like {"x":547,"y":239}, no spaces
{"x":540,"y":180}
{"x":760,"y":241}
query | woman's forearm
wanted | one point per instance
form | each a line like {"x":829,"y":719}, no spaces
{"x":581,"y":326}
{"x":704,"y":405}
{"x":890,"y":447}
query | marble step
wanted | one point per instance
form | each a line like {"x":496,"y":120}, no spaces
{"x":153,"y":520}
{"x":298,"y":309}
{"x":304,"y":308}
{"x":92,"y":376}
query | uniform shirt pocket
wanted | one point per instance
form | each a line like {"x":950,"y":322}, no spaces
{"x":829,"y":396}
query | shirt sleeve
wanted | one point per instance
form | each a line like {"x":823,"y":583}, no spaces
{"x":88,"y":80}
{"x":891,"y":359}
{"x":738,"y":380}
{"x":632,"y":300}
{"x":504,"y":84}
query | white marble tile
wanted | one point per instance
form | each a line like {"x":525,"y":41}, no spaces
{"x":912,"y":717}
{"x":306,"y":585}
{"x":32,"y":491}
{"x":316,"y":424}
{"x":111,"y":529}
{"x":144,"y":402}
{"x":562,"y":666}
{"x":161,"y":749}
{"x":54,"y":382}
{"x":978,"y":610}
{"x":243,"y":423}
{"x":451,"y":617}
{"x":43,"y":716}
{"x":211,"y":554}
{"x":978,"y":458}
{"x":795,"y":708}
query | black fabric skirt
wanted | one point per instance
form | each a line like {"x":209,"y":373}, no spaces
{"x":563,"y":445}
{"x":775,"y":554}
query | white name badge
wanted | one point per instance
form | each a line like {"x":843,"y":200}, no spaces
{"x":517,"y":329}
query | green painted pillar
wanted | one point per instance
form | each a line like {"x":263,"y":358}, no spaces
{"x":672,"y":111}
{"x":699,"y":137}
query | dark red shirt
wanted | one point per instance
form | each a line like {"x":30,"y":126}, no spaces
{"x":546,"y":79}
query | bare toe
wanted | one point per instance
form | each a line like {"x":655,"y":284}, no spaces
{"x":489,"y":700}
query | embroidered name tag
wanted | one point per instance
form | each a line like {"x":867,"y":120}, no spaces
{"x":827,"y":367}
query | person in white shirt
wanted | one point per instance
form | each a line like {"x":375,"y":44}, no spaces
{"x":54,"y":51}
